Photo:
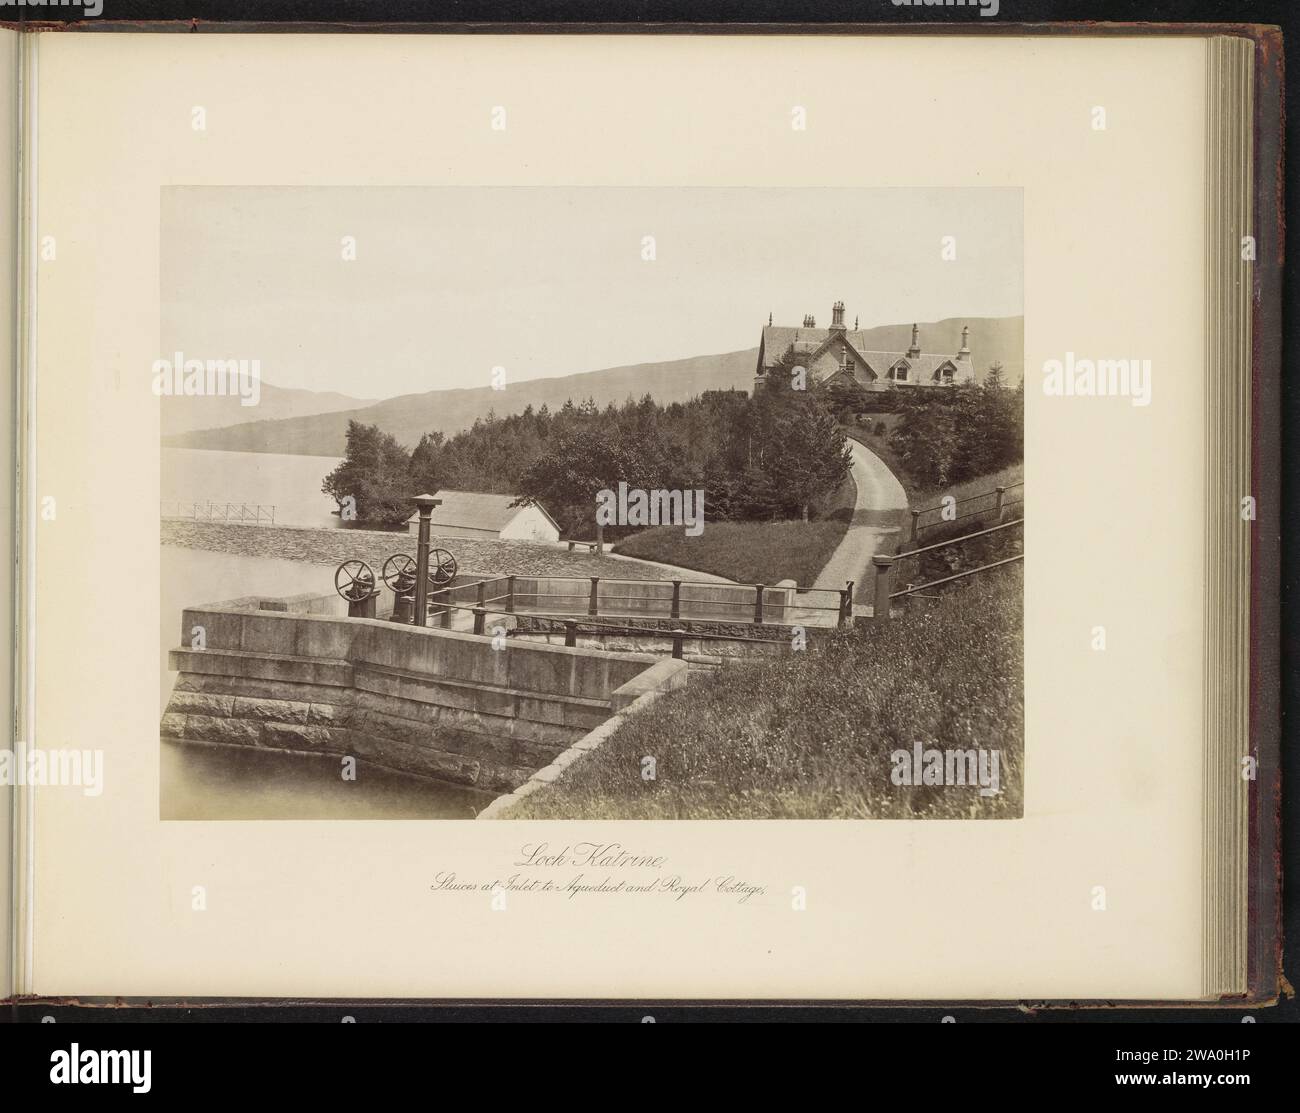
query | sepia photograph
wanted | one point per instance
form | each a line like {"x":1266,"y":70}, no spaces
{"x":590,"y":576}
{"x":591,"y":503}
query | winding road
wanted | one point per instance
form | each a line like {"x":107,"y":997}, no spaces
{"x":879,"y":510}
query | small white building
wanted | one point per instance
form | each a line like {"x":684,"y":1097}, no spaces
{"x":490,"y":517}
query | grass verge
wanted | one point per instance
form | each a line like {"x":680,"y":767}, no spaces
{"x":810,"y":735}
{"x":981,"y":485}
{"x":747,"y":552}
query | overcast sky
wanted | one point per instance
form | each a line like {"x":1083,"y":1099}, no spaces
{"x":450,"y":282}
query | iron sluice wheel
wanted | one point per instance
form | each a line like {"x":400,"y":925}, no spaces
{"x":398,"y":573}
{"x":354,"y":580}
{"x":442,"y":567}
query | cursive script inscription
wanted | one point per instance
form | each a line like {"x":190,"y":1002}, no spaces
{"x":602,"y":855}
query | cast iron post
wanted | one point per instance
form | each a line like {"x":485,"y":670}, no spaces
{"x":424,"y":504}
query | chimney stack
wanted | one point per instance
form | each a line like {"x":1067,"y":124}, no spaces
{"x":915,"y":349}
{"x":964,"y":353}
{"x":837,"y":316}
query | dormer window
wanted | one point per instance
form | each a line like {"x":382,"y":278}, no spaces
{"x":946,"y":374}
{"x":899,"y":372}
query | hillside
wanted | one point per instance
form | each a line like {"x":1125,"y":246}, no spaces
{"x":185,"y":414}
{"x":409,"y":416}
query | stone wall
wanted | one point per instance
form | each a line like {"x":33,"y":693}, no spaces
{"x":646,"y":691}
{"x":292,"y":674}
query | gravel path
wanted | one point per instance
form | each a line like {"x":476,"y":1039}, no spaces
{"x":330,"y":546}
{"x":881,"y":506}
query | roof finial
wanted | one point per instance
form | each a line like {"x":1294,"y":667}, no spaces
{"x":769,"y":320}
{"x":855,"y":322}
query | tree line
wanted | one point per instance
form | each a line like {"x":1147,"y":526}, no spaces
{"x":767,"y":457}
{"x":775,"y":455}
{"x":954,"y":434}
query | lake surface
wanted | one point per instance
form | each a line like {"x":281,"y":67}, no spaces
{"x":289,"y":483}
{"x":226,"y":782}
{"x":191,"y":577}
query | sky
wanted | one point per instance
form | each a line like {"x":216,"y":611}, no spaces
{"x":449,"y":283}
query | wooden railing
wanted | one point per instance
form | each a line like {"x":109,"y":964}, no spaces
{"x":884,"y":568}
{"x":1000,"y":505}
{"x":658,"y":599}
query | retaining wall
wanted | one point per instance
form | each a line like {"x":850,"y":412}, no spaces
{"x":293,"y":674}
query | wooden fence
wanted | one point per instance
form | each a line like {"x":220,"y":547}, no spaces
{"x":883,"y":567}
{"x":994,"y":500}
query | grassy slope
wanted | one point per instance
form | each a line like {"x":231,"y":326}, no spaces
{"x":748,"y":552}
{"x":1015,"y":473}
{"x":809,"y":735}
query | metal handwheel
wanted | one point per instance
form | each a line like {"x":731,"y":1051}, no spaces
{"x":398,"y":573}
{"x":442,"y":567}
{"x":354,"y":580}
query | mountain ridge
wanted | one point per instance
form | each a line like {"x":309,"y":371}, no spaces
{"x":181,"y":414}
{"x":408,"y":416}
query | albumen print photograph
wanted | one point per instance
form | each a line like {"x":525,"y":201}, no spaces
{"x":591,"y":503}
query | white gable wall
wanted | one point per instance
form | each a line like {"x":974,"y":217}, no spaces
{"x":530,"y":524}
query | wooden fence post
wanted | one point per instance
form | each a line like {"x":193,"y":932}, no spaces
{"x":916,"y":516}
{"x":510,"y":595}
{"x":570,"y":632}
{"x":678,"y":635}
{"x":591,"y":604}
{"x":481,"y":598}
{"x":480,"y":617}
{"x":758,"y":604}
{"x":884,"y":566}
{"x":1002,"y":492}
{"x":677,"y":599}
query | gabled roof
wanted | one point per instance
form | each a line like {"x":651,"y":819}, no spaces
{"x":776,"y":340}
{"x":926,"y":366}
{"x":847,"y":343}
{"x":477,"y":510}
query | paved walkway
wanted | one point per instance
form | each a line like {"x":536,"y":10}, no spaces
{"x":878,"y":512}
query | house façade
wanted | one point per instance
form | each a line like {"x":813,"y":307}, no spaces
{"x":839,"y":353}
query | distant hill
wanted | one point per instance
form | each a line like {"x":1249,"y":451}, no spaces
{"x":186,"y":413}
{"x":1000,"y":339}
{"x":408,"y":416}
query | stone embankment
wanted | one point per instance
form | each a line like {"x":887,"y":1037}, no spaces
{"x":294,"y":675}
{"x":331,"y":546}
